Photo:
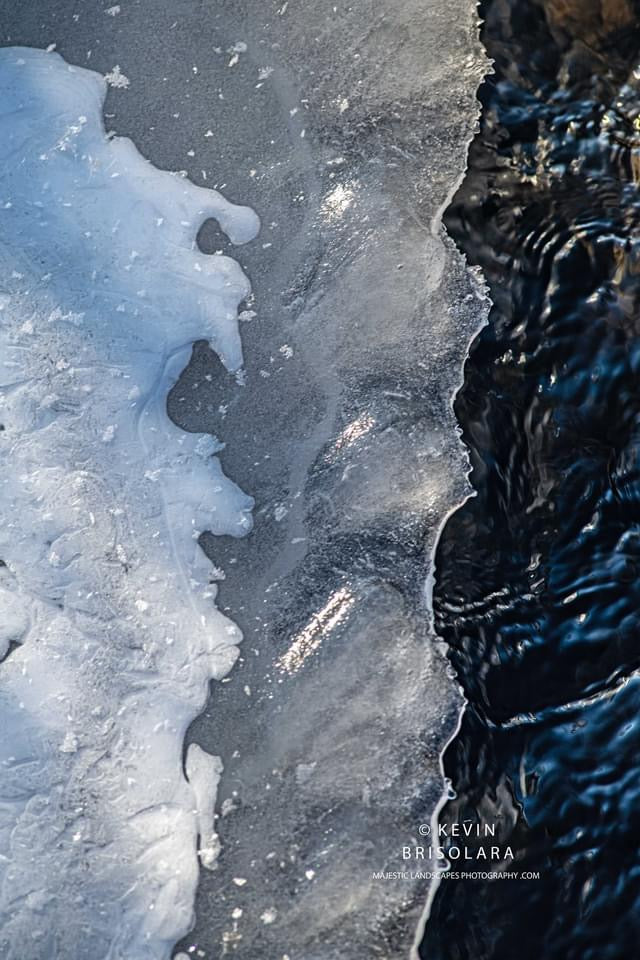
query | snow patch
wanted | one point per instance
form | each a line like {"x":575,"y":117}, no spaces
{"x":107,"y":612}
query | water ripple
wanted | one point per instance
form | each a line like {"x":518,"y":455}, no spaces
{"x":537,"y":582}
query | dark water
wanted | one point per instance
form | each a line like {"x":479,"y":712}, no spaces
{"x":538,"y":576}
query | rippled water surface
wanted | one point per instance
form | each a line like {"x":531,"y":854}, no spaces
{"x":537,"y":586}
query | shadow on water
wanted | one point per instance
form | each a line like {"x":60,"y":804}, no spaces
{"x":538,"y":576}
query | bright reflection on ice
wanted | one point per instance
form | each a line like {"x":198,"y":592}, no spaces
{"x":310,"y":637}
{"x":358,"y":428}
{"x":339,"y":200}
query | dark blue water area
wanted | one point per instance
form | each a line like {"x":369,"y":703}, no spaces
{"x":537,"y":588}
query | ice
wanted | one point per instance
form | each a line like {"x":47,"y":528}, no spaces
{"x":109,"y":625}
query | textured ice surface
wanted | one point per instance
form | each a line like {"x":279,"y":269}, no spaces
{"x":107,"y":613}
{"x":346,"y":126}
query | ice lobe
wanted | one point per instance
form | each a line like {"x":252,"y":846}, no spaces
{"x":203,"y":773}
{"x":109,"y":626}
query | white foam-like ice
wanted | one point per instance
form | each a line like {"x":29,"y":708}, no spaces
{"x":105,"y":588}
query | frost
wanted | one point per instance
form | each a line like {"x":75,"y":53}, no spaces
{"x":107,"y":622}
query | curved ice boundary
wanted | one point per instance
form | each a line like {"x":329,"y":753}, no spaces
{"x":109,"y":626}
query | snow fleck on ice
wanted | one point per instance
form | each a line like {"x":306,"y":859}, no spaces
{"x":117,"y":79}
{"x":228,"y":806}
{"x":235,"y":51}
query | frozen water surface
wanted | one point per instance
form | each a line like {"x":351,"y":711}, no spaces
{"x":345,"y":127}
{"x":106,"y":593}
